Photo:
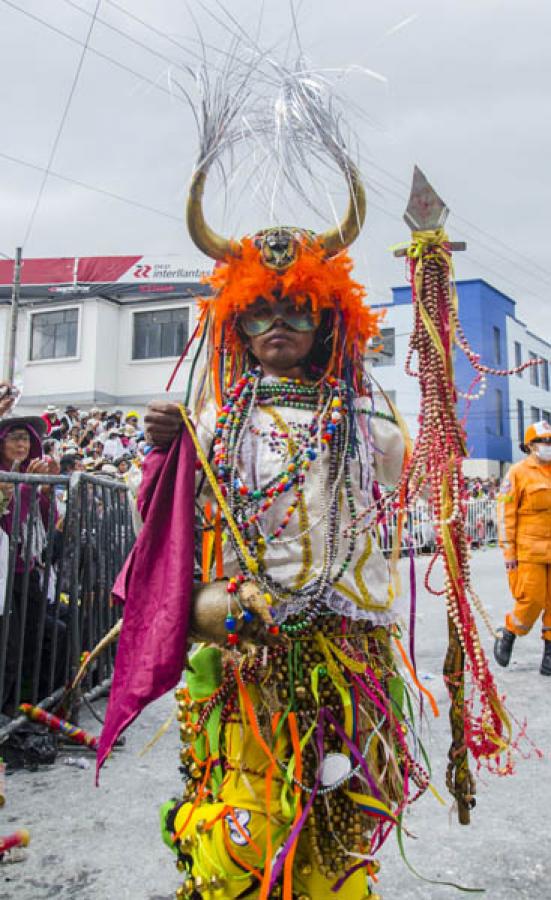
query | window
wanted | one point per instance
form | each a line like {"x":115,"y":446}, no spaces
{"x":387,"y":344}
{"x":545,"y":375}
{"x":497,"y":345}
{"x":54,"y":334}
{"x":518,"y":357}
{"x":160,"y":333}
{"x":499,"y":412}
{"x":534,"y":414}
{"x":546,"y":416}
{"x":534,"y":372}
{"x":520,"y":418}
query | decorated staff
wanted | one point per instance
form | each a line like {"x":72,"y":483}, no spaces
{"x":68,"y":730}
{"x":19,"y":838}
{"x":480,"y":724}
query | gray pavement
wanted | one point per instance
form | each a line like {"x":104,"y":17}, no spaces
{"x":104,"y":844}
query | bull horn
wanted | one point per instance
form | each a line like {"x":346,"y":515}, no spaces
{"x":202,"y":236}
{"x":337,"y":239}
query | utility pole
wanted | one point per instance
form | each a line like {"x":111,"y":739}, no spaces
{"x":15,"y":292}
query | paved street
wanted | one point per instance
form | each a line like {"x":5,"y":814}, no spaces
{"x":104,"y":844}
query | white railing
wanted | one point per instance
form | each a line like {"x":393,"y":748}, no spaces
{"x":418,"y":528}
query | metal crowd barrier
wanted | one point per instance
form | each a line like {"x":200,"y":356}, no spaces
{"x":57,"y":568}
{"x":418,"y":529}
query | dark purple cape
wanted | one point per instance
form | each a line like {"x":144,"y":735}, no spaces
{"x":155,"y":585}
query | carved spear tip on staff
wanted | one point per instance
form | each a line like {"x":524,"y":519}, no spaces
{"x":426,"y":211}
{"x":425,"y":215}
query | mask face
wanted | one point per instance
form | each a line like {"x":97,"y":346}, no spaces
{"x":260,"y":317}
{"x":543,"y":452}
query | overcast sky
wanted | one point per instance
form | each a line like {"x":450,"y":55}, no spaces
{"x":463,"y":88}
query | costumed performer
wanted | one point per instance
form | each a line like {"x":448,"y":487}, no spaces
{"x":285,"y":704}
{"x":300,"y":747}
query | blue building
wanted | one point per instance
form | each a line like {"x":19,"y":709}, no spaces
{"x":496,"y":421}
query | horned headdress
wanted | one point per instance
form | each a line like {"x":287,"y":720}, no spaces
{"x":291,"y":119}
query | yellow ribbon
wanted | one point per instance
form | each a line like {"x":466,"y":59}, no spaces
{"x":449,"y":549}
{"x":353,"y":664}
{"x":340,"y":683}
{"x":332,"y":669}
{"x":432,"y":241}
{"x":429,"y":325}
{"x":251,"y":563}
{"x":436,"y":795}
{"x":424,"y":246}
{"x":372,"y":802}
{"x":158,"y":734}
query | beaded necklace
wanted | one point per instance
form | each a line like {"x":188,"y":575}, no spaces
{"x":327,"y":433}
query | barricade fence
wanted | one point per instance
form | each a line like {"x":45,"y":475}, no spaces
{"x":418,"y":528}
{"x":62,"y":542}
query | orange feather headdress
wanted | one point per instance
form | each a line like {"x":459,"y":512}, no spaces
{"x":324,"y":281}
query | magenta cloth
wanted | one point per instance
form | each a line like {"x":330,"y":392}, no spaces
{"x":156,"y":586}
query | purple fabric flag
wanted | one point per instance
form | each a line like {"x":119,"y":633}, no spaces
{"x":155,"y":585}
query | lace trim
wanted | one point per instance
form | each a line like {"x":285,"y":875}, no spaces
{"x":342,"y":606}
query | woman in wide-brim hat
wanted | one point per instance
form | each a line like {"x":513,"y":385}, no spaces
{"x":21,"y":451}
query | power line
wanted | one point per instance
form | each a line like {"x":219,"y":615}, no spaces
{"x":129,"y":37}
{"x":507,"y":259}
{"x":89,"y":187}
{"x":155,"y":84}
{"x":462,"y":232}
{"x":460,"y":218}
{"x":105,"y":56}
{"x":483,"y":246}
{"x":150,"y":27}
{"x":162,"y":34}
{"x":499,"y":273}
{"x":61,"y":124}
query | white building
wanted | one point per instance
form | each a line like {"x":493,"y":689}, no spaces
{"x":108,"y":331}
{"x":103,"y":331}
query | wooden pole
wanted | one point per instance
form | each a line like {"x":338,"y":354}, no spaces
{"x":459,"y":781}
{"x":16,"y":290}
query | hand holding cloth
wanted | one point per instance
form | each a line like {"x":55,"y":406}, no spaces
{"x":156,"y":586}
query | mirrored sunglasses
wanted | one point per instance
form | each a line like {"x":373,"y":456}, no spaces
{"x":259,"y":319}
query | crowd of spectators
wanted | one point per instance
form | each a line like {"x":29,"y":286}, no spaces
{"x":98,"y":441}
{"x":482,"y":488}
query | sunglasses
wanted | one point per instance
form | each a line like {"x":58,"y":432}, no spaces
{"x":258,"y":319}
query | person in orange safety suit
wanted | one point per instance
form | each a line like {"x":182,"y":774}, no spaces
{"x":524,"y":527}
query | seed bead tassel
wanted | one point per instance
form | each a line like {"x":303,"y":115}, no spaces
{"x":437,"y":459}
